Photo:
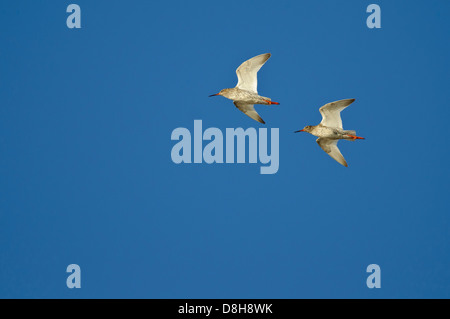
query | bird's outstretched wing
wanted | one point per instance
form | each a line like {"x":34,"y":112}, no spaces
{"x":331,"y":112}
{"x":249,"y":110}
{"x":246,"y":72}
{"x":330,"y":147}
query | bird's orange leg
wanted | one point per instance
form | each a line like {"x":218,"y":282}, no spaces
{"x":271,"y":102}
{"x":354,"y":137}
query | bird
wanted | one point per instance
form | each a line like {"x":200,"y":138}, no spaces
{"x":245,"y":94}
{"x":330,"y":130}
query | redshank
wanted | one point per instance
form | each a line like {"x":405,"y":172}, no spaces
{"x":245,"y":94}
{"x":330,"y":130}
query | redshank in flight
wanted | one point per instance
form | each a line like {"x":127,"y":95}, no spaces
{"x":245,"y":94}
{"x":330,"y":130}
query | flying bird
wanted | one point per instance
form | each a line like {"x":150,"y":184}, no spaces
{"x":330,"y":130}
{"x":245,"y":94}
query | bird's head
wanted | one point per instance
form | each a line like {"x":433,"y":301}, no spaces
{"x":308,"y":129}
{"x":224,"y":93}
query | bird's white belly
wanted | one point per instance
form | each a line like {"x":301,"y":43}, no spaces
{"x":245,"y":96}
{"x":328,"y":132}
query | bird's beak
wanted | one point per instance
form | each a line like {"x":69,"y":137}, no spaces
{"x":299,"y":131}
{"x":214,"y":94}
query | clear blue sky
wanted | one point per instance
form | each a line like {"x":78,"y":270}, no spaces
{"x":86,"y":175}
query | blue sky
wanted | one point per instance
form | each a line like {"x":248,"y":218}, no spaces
{"x":86,"y":175}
